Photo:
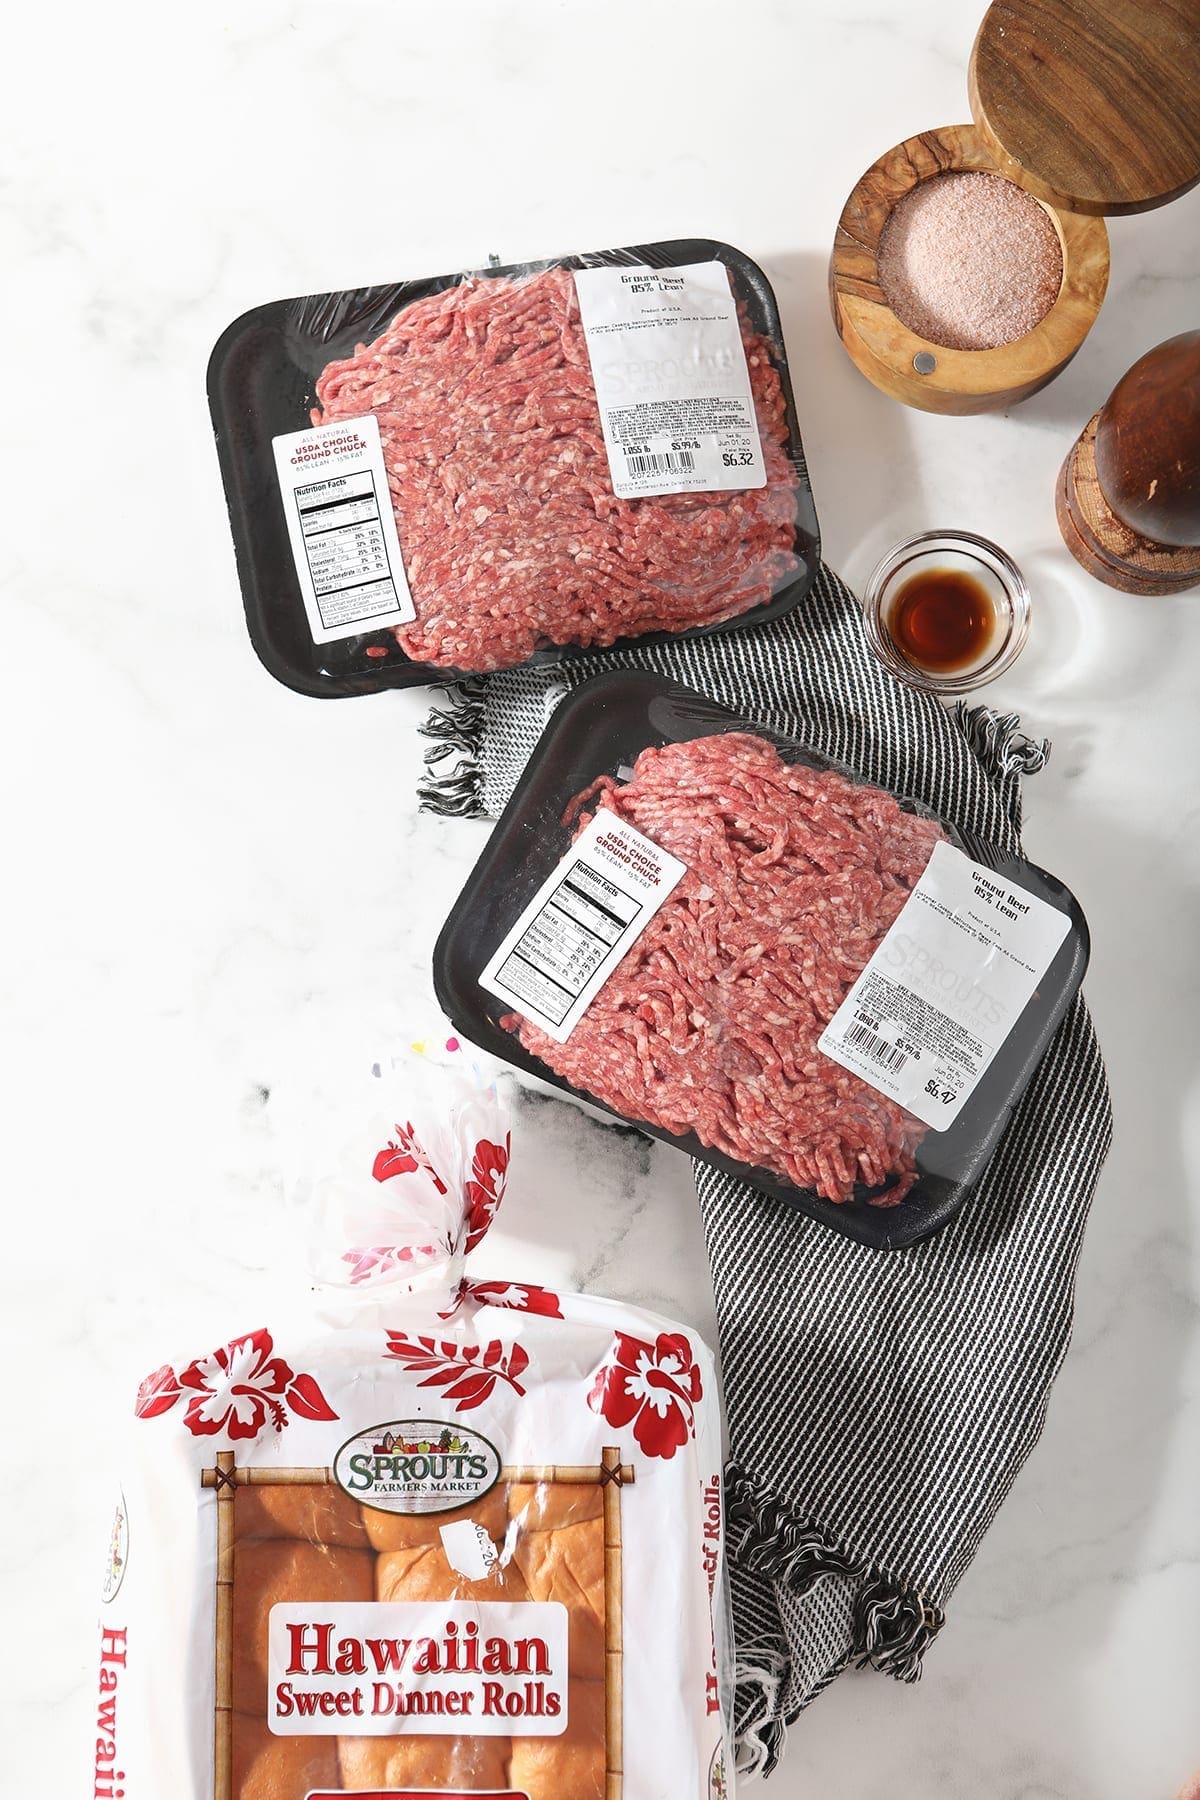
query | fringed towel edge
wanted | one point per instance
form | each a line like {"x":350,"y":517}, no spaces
{"x":999,"y":743}
{"x":761,"y":1722}
{"x":892,"y":1623}
{"x":760,"y":1680}
{"x":455,"y":790}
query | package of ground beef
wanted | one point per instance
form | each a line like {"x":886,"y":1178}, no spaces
{"x":750,"y":952}
{"x":430,"y":1534}
{"x":469,"y":472}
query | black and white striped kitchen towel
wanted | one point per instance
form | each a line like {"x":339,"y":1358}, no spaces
{"x":880,"y":1404}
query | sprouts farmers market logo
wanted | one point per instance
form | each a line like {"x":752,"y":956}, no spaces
{"x":417,"y":1466}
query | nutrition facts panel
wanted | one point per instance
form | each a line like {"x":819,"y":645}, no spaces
{"x":580,"y":923}
{"x":347,"y":556}
{"x":342,"y":528}
{"x":567,"y":940}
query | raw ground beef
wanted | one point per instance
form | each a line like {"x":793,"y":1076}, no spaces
{"x":512,"y":536}
{"x":710,"y":1023}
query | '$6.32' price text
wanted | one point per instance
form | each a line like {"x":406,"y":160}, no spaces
{"x":736,"y":459}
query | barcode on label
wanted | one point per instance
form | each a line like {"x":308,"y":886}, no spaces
{"x":667,"y":462}
{"x":875,"y":1046}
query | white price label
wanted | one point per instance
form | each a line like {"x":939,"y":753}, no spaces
{"x":342,"y":529}
{"x":469,"y":1549}
{"x":945,"y":987}
{"x":672,"y":384}
{"x":580,"y":923}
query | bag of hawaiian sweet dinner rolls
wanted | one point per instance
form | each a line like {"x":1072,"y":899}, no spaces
{"x":433,"y":1536}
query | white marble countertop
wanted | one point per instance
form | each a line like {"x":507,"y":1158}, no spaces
{"x":220,"y":897}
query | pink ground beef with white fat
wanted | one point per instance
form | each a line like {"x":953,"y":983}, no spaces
{"x":511,"y":534}
{"x":710,"y":1023}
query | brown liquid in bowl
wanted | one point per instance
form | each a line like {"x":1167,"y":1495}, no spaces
{"x":942,"y":620}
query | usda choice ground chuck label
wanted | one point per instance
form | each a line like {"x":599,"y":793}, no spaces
{"x":342,"y":529}
{"x":579,"y":924}
{"x":945,"y":986}
{"x":671,"y":379}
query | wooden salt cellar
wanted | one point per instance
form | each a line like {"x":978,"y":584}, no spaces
{"x":1128,"y":496}
{"x":928,"y":375}
{"x":1092,"y":107}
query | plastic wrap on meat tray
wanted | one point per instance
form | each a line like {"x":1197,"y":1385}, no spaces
{"x":684,"y":916}
{"x":710,"y":1023}
{"x":483,"y":525}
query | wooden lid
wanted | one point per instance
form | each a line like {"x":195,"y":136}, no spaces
{"x":1093,"y":105}
{"x":1105,"y":545}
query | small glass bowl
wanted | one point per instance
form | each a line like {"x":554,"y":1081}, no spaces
{"x":961,"y":552}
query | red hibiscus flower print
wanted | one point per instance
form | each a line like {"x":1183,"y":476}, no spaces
{"x":653,"y":1387}
{"x":466,"y":1373}
{"x":239,"y":1389}
{"x":404,"y":1156}
{"x":485,"y":1189}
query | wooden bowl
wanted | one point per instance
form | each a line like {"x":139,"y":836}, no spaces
{"x":928,"y":375}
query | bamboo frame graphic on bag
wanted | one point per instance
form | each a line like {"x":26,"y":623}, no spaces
{"x":611,"y":1475}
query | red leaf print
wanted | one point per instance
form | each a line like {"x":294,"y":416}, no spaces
{"x":157,"y":1394}
{"x":372,"y":1262}
{"x":653,"y":1387}
{"x":457,"y":1367}
{"x":412,"y":1143}
{"x":404,"y":1158}
{"x":471,"y":1391}
{"x":307,"y":1401}
{"x":392,"y":1161}
{"x":485,"y":1190}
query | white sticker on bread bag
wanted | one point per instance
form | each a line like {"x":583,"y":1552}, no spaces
{"x":669,"y":365}
{"x":945,"y":986}
{"x":587,"y":913}
{"x":342,"y":529}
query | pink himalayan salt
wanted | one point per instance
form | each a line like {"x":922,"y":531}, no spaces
{"x":969,"y":261}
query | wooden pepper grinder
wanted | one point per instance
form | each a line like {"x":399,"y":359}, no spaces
{"x":1128,"y":496}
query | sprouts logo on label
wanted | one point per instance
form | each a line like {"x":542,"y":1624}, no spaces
{"x":417,"y":1466}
